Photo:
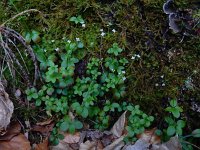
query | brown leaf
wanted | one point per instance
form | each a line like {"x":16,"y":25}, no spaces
{"x":116,"y":145}
{"x":88,"y":145}
{"x":71,"y":138}
{"x":65,"y":143}
{"x":43,"y":145}
{"x":44,"y":129}
{"x":149,"y":136}
{"x":6,"y":108}
{"x":139,"y":145}
{"x":172,"y":144}
{"x":119,"y":126}
{"x":13,"y":129}
{"x":19,"y":142}
{"x":46,"y":122}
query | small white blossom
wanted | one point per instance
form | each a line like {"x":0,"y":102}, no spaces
{"x":101,"y":30}
{"x":156,"y":84}
{"x":64,"y":38}
{"x":77,"y":39}
{"x":123,"y":72}
{"x":83,"y":25}
{"x":68,"y":41}
{"x":52,"y":41}
{"x":162,"y":76}
{"x":124,"y":78}
{"x":57,"y":49}
{"x":133,"y":57}
{"x":102,"y":34}
{"x":113,"y":30}
{"x":45,"y":50}
{"x":138,"y":56}
{"x":163,"y":84}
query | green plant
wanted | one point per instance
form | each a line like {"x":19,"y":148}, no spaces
{"x":31,"y":93}
{"x":137,"y":121}
{"x":77,"y":20}
{"x":174,"y":126}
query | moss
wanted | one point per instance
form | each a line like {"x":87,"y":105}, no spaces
{"x":142,"y":28}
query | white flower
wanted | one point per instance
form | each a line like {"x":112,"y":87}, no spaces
{"x":113,"y":30}
{"x":156,"y":84}
{"x":101,"y":30}
{"x":124,"y":78}
{"x":52,"y":41}
{"x":64,"y":38}
{"x":45,"y":50}
{"x":102,"y":34}
{"x":57,"y":49}
{"x":83,"y":25}
{"x":68,"y":41}
{"x":77,"y":39}
{"x":138,"y":56}
{"x":163,"y":84}
{"x":133,"y":57}
{"x":123,"y":72}
{"x":162,"y":76}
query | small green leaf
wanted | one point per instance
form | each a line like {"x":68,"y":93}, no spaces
{"x":171,"y":130}
{"x":78,"y":124}
{"x":61,"y":136}
{"x":196,"y":133}
{"x":35,"y":36}
{"x":181,"y":123}
{"x":38,"y":102}
{"x":80,"y":45}
{"x":173,"y":103}
{"x":84,"y":112}
{"x":64,"y":126}
{"x":176,"y":113}
{"x":71,"y":128}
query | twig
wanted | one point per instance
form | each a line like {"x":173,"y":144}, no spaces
{"x":20,"y":14}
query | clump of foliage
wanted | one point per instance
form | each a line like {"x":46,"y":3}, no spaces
{"x":65,"y":91}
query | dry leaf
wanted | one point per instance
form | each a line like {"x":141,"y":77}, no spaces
{"x":19,"y":142}
{"x":65,"y":143}
{"x":119,"y":126}
{"x":88,"y":145}
{"x":44,"y":129}
{"x":139,"y":145}
{"x":172,"y":144}
{"x":149,"y":136}
{"x":47,"y":122}
{"x":13,"y":129}
{"x":43,"y":145}
{"x":91,"y":145}
{"x":71,"y":138}
{"x":6,"y":108}
{"x":116,"y":145}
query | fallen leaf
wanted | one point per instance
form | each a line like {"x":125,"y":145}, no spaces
{"x":88,"y":145}
{"x":149,"y":136}
{"x":43,"y":145}
{"x":172,"y":144}
{"x":13,"y":129}
{"x":71,"y":138}
{"x":119,"y":126}
{"x":43,"y":129}
{"x":6,"y":108}
{"x":116,"y":145}
{"x":139,"y":145}
{"x":18,"y":142}
{"x":65,"y":143}
{"x":47,"y":122}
